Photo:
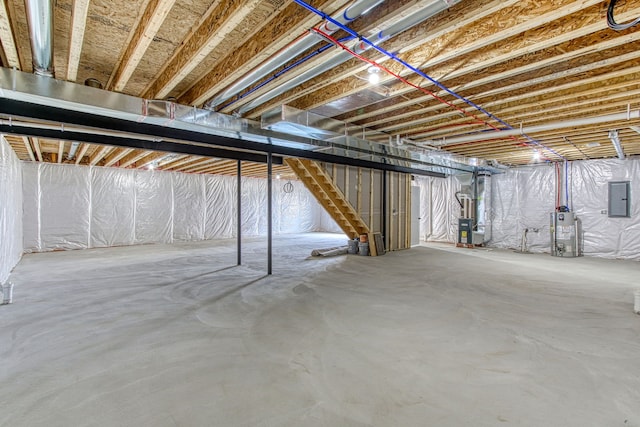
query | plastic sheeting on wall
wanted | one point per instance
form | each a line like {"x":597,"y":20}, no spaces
{"x":118,"y":202}
{"x":589,"y":186}
{"x":439,"y":209}
{"x":10,"y":210}
{"x":522,"y":199}
{"x":75,"y":207}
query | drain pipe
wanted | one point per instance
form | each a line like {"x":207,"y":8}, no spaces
{"x":40,"y":18}
{"x":357,"y":9}
{"x":403,"y":25}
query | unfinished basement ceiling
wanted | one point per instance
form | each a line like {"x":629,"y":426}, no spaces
{"x":527,"y":62}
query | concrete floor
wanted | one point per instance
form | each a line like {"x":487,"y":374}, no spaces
{"x":435,"y":336}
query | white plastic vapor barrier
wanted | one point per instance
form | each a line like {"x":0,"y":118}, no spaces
{"x":77,"y":207}
{"x":588,"y":189}
{"x":522,"y":199}
{"x":118,"y":202}
{"x":10,"y":209}
{"x":439,"y":209}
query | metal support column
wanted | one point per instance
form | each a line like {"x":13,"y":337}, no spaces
{"x":239,"y":209}
{"x":269,"y":212}
{"x":476,"y":203}
{"x":384,"y":209}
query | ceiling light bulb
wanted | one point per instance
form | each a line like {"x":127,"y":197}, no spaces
{"x":536,"y":155}
{"x":278,"y":176}
{"x":374,"y":75}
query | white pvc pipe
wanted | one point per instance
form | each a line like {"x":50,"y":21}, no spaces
{"x":309,"y":40}
{"x":533,"y":129}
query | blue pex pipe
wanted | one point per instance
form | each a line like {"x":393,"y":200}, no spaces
{"x":420,"y":73}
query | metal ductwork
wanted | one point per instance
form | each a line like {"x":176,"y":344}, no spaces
{"x":423,"y":14}
{"x":40,"y":18}
{"x":304,"y":43}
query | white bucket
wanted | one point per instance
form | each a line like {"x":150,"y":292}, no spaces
{"x":636,"y":305}
{"x":7,"y":293}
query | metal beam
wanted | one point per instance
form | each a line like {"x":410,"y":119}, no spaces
{"x":143,"y":144}
{"x":239,"y":209}
{"x":269,"y":212}
{"x":55,"y":114}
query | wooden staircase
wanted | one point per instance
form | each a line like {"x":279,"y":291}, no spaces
{"x":329,"y":196}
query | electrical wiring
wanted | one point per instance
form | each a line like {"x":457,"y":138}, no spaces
{"x":400,"y":78}
{"x":611,"y":21}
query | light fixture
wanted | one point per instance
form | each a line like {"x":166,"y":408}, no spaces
{"x":374,"y":75}
{"x":278,"y":176}
{"x":536,"y":156}
{"x":615,"y":140}
{"x":592,"y":144}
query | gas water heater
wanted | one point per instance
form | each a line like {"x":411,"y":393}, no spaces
{"x":565,"y":232}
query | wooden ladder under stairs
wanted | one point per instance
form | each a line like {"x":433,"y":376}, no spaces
{"x":329,"y":196}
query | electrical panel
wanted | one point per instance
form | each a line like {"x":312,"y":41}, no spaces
{"x":619,"y":203}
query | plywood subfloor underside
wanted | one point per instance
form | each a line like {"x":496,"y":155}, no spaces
{"x":172,"y":335}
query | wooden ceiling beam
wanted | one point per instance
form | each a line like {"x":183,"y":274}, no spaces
{"x":277,"y":34}
{"x":8,"y":41}
{"x":496,"y":97}
{"x":82,"y":150}
{"x":27,"y":145}
{"x":545,"y":37}
{"x":379,"y":18}
{"x":132,"y":157}
{"x":192,"y":164}
{"x":154,"y":14}
{"x":520,"y":17}
{"x":78,"y":28}
{"x":408,"y":126}
{"x":536,"y":66}
{"x":202,"y":166}
{"x":179,"y":162}
{"x":60,"y":151}
{"x":151,"y":157}
{"x":219,"y":21}
{"x":36,"y":148}
{"x":116,"y":155}
{"x":99,"y":154}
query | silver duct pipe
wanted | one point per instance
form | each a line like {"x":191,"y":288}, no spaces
{"x":72,"y":150}
{"x":357,"y":9}
{"x":615,"y":140}
{"x":402,"y":25}
{"x":414,"y":19}
{"x":40,"y":18}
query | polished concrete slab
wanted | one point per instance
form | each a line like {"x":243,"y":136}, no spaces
{"x":176,"y":335}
